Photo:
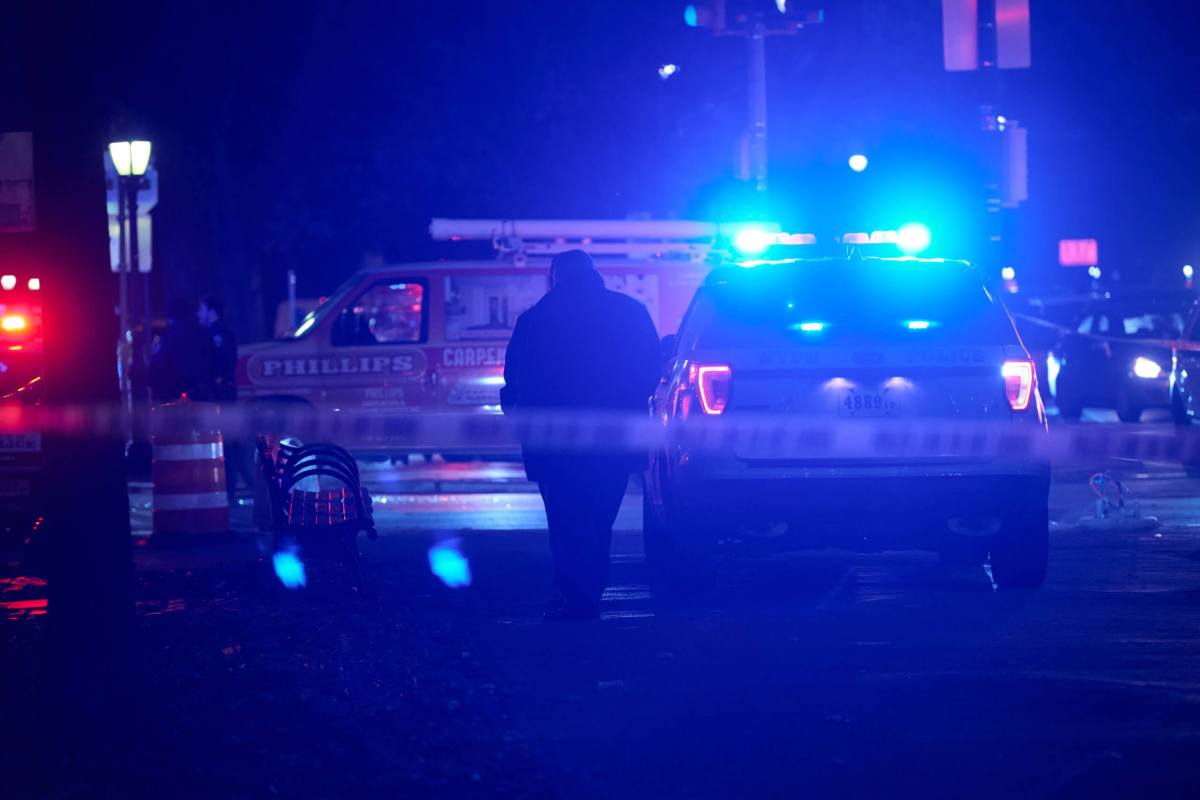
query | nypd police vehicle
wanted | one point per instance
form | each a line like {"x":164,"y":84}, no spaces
{"x":879,"y":345}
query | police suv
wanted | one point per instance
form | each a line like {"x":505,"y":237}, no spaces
{"x":870,"y":350}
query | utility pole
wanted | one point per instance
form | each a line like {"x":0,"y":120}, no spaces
{"x":124,"y":345}
{"x":757,"y":37}
{"x":753,"y":20}
{"x":988,"y":36}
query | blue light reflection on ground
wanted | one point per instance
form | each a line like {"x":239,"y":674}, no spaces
{"x":290,"y":569}
{"x":447,"y":562}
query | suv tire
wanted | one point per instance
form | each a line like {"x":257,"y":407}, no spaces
{"x":1020,"y":551}
{"x":674,"y":569}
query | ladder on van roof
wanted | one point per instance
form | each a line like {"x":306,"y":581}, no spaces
{"x":651,"y":239}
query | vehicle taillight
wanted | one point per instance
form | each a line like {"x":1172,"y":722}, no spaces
{"x":712,"y":383}
{"x":1018,"y":382}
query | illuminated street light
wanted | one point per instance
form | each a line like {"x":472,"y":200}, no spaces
{"x":1008,"y":273}
{"x":858,"y":162}
{"x":667,"y":70}
{"x":1094,"y":271}
{"x":1188,"y":272}
{"x":130,"y":158}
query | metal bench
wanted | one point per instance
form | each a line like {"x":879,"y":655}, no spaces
{"x":317,"y":501}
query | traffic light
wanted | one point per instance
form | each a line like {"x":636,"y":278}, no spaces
{"x":705,"y":15}
{"x":774,"y":15}
{"x":741,"y":15}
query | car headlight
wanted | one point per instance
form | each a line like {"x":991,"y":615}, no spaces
{"x":1145,"y":368}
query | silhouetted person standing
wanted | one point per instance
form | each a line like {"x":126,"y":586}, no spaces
{"x":220,"y":358}
{"x":580,"y":349}
{"x":179,"y":361}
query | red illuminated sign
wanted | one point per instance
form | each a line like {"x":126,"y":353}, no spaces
{"x":1078,"y":252}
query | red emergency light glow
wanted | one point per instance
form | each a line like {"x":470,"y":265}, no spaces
{"x":712,"y":385}
{"x":1078,"y":253}
{"x":14,"y":323}
{"x":1018,"y":382}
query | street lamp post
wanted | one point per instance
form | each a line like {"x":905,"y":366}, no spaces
{"x":131,"y":159}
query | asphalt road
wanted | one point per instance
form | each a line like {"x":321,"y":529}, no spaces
{"x":829,"y":673}
{"x":824,"y":673}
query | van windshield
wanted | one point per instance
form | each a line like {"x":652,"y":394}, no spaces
{"x":318,"y":314}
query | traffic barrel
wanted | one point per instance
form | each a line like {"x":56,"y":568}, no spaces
{"x":190,"y":493}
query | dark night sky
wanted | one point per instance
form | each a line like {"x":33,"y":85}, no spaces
{"x":303,"y":134}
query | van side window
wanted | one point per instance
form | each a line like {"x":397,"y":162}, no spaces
{"x":388,"y":312}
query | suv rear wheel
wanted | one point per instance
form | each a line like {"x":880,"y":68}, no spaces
{"x":675,"y":568}
{"x":1020,"y":551}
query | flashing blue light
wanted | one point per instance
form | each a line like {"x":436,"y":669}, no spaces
{"x":691,"y":17}
{"x":913,"y":238}
{"x":290,"y":569}
{"x":752,"y":241}
{"x":809,"y":327}
{"x":858,"y":162}
{"x":918,"y":324}
{"x":448,"y":563}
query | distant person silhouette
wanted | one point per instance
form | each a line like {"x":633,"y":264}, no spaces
{"x":178,"y":361}
{"x":580,"y":349}
{"x":220,"y":386}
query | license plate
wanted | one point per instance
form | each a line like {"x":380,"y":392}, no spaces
{"x":15,"y":488}
{"x":20,"y":443}
{"x":856,"y":403}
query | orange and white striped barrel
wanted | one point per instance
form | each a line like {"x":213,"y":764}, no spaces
{"x":190,"y":494}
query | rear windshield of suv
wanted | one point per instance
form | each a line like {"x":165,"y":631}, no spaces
{"x":876,"y":303}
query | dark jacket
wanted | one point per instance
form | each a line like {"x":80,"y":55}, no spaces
{"x":179,"y":361}
{"x":581,"y":348}
{"x":221,"y":348}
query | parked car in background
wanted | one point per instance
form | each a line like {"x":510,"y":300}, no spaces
{"x":1118,"y":354}
{"x":1041,"y":321}
{"x":1184,"y":381}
